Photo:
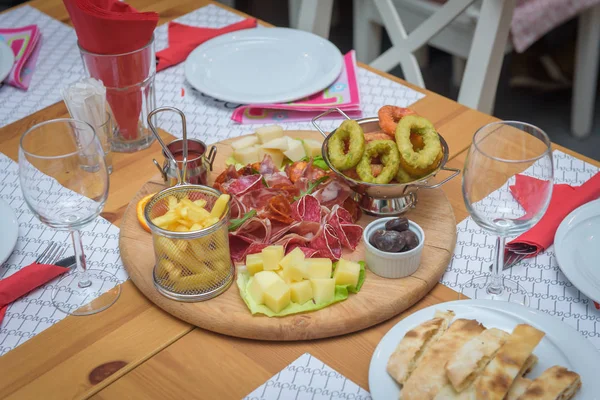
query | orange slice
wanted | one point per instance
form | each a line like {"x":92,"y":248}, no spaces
{"x":140,"y":211}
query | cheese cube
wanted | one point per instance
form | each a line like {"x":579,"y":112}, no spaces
{"x":247,"y":155}
{"x":346,"y":273}
{"x":244,"y":142}
{"x":295,"y":151}
{"x":282,"y":275}
{"x":323,"y":290}
{"x":294,"y":257}
{"x":277,"y":296}
{"x":312,"y":147}
{"x":254,"y":263}
{"x":301,"y":292}
{"x":268,"y":133}
{"x":278,"y":144}
{"x":271,"y":256}
{"x":318,"y":268}
{"x":261,"y":282}
{"x":276,"y":156}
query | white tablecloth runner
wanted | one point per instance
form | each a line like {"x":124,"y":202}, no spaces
{"x":33,"y":313}
{"x":551,"y":291}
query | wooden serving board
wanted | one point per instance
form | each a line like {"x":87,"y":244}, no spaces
{"x":378,"y":300}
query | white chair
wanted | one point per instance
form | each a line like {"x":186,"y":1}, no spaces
{"x":461,"y":28}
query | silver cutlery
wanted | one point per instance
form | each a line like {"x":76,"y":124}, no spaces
{"x":513,"y":254}
{"x":52,"y":254}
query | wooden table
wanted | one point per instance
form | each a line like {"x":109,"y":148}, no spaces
{"x":135,"y":350}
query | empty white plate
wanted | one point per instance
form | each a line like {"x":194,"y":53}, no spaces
{"x":7,"y":59}
{"x":9,"y":231}
{"x":263,"y":65}
{"x":562,"y":344}
{"x":577,"y":248}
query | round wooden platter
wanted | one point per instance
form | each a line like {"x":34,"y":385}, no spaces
{"x":378,"y":300}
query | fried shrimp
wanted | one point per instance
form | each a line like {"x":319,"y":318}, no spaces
{"x":387,"y":152}
{"x":423,"y":161}
{"x":389,"y":117}
{"x":351,"y":132}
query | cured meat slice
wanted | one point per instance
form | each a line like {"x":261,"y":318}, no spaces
{"x":278,"y":209}
{"x":243,"y":184}
{"x":277,"y":180}
{"x":348,"y":233}
{"x":306,"y":208}
{"x":308,"y":252}
{"x":236,"y":209}
{"x":332,"y":192}
{"x":267,"y":166}
{"x":327,"y":243}
{"x":258,"y":199}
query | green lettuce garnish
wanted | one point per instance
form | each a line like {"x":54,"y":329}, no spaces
{"x":237,"y":222}
{"x":232,"y":161}
{"x":341,"y":293}
{"x":318,"y":162}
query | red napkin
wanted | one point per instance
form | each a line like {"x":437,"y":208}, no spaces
{"x":183,"y":39}
{"x":24,"y":281}
{"x":113,"y":27}
{"x":565,"y":198}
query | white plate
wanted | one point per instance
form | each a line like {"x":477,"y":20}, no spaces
{"x":577,"y":248}
{"x":7,"y":59}
{"x":9,"y":231}
{"x":562,"y":345}
{"x":263,"y":65}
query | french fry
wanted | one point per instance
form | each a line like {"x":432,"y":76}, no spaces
{"x":220,"y":206}
{"x":165,"y":220}
{"x":172,"y":202}
{"x":200,"y":203}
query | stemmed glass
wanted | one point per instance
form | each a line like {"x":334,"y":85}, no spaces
{"x":64,"y":180}
{"x":499,"y":151}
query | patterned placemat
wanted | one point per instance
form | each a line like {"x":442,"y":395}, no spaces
{"x":58,"y":65}
{"x":549,"y":288}
{"x":308,"y":378}
{"x":209,"y":119}
{"x":33,"y":313}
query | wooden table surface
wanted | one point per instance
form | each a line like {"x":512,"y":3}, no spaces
{"x":134,"y":349}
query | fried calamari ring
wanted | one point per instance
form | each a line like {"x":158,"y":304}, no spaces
{"x":387,"y":151}
{"x":422,"y":162}
{"x":403,"y":177}
{"x":349,"y":131}
{"x":389,"y":117}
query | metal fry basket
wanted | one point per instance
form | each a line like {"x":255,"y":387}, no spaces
{"x":190,"y":266}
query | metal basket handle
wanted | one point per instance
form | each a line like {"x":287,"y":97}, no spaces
{"x":181,"y":175}
{"x":454,"y":171}
{"x":315,"y":119}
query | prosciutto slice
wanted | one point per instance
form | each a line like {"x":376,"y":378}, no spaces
{"x":253,"y":231}
{"x":327,"y":243}
{"x":267,"y":166}
{"x":332,"y":192}
{"x":278,"y":180}
{"x":243,"y":185}
{"x":307,"y":208}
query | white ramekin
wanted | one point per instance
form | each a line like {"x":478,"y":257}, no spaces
{"x":392,"y":265}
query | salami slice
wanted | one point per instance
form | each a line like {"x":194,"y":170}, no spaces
{"x":306,"y":208}
{"x":348,"y":233}
{"x":278,"y":209}
{"x":308,"y":252}
{"x":327,"y":243}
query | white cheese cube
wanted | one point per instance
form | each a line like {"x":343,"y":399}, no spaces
{"x":247,"y":155}
{"x":261,"y":282}
{"x":268,"y":133}
{"x":318,"y":268}
{"x":312,"y":147}
{"x":244,"y":142}
{"x":277,"y":296}
{"x":295,"y":151}
{"x":301,"y":292}
{"x":254,"y":263}
{"x":277,"y":144}
{"x":346,"y":273}
{"x":323,"y":290}
{"x":271,"y":256}
{"x":276,"y":155}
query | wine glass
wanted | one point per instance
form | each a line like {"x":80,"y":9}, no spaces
{"x":64,"y":180}
{"x":499,"y":151}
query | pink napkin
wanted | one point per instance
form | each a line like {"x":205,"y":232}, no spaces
{"x":343,"y":94}
{"x":24,"y":281}
{"x":25,"y":44}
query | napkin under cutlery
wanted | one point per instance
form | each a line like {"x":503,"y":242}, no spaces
{"x":24,"y":281}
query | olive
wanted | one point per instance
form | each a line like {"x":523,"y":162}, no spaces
{"x":411,"y":240}
{"x":398,"y":224}
{"x":388,"y":241}
{"x":378,"y":233}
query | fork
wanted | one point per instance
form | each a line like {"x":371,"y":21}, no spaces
{"x":515,"y":253}
{"x":52,"y":254}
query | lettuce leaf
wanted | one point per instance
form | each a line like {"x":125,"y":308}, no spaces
{"x":341,"y":293}
{"x":232,"y":161}
{"x":318,"y":162}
